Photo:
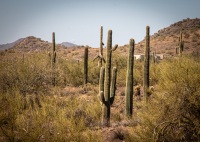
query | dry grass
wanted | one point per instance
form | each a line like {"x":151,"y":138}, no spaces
{"x":33,"y":110}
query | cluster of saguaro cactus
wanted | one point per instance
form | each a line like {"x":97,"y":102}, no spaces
{"x":146,"y":65}
{"x":100,"y":55}
{"x":129,"y":80}
{"x":53,"y":59}
{"x":86,"y":66}
{"x":107,"y":93}
{"x":181,"y":43}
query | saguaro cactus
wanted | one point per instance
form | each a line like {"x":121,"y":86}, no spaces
{"x":53,"y":60}
{"x":86,"y":66}
{"x":181,"y":44}
{"x":146,"y":65}
{"x":100,"y":55}
{"x":129,"y":80}
{"x":105,"y":96}
{"x":106,"y":103}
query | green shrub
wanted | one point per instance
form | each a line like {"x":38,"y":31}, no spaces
{"x":173,"y":112}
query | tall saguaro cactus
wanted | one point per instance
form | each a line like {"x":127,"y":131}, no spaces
{"x":53,"y":60}
{"x":86,"y":66}
{"x":129,"y":80}
{"x":106,"y":96}
{"x":146,"y":65}
{"x":181,"y":43}
{"x":100,"y":55}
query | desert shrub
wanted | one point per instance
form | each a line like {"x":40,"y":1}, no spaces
{"x":72,"y":72}
{"x":174,"y":111}
{"x":93,"y":72}
{"x":57,"y":119}
{"x":154,"y":73}
{"x":138,"y":72}
{"x":121,"y":63}
{"x":28,"y":75}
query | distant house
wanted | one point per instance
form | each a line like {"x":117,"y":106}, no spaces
{"x":141,"y":56}
{"x":159,"y":56}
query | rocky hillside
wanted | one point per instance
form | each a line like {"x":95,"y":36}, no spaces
{"x":10,"y":45}
{"x":33,"y":44}
{"x":165,"y":40}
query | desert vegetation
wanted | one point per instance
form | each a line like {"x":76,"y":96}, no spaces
{"x":46,"y":97}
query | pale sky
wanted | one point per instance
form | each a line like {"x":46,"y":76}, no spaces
{"x":79,"y":21}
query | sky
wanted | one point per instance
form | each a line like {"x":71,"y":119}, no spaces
{"x":79,"y":21}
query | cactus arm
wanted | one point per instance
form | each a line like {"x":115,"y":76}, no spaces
{"x":115,"y":47}
{"x":103,"y":60}
{"x":101,"y":97}
{"x":113,"y":85}
{"x":96,"y":57}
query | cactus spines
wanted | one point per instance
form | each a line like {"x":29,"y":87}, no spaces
{"x":100,"y":55}
{"x":181,"y":44}
{"x":146,"y":65}
{"x":86,"y":66}
{"x":105,"y":96}
{"x":129,"y":80}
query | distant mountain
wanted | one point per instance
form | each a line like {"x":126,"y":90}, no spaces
{"x":10,"y":45}
{"x":68,"y":44}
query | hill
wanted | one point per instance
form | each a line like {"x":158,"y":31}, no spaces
{"x":32,"y":43}
{"x":68,"y":44}
{"x":10,"y":45}
{"x":165,"y":40}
